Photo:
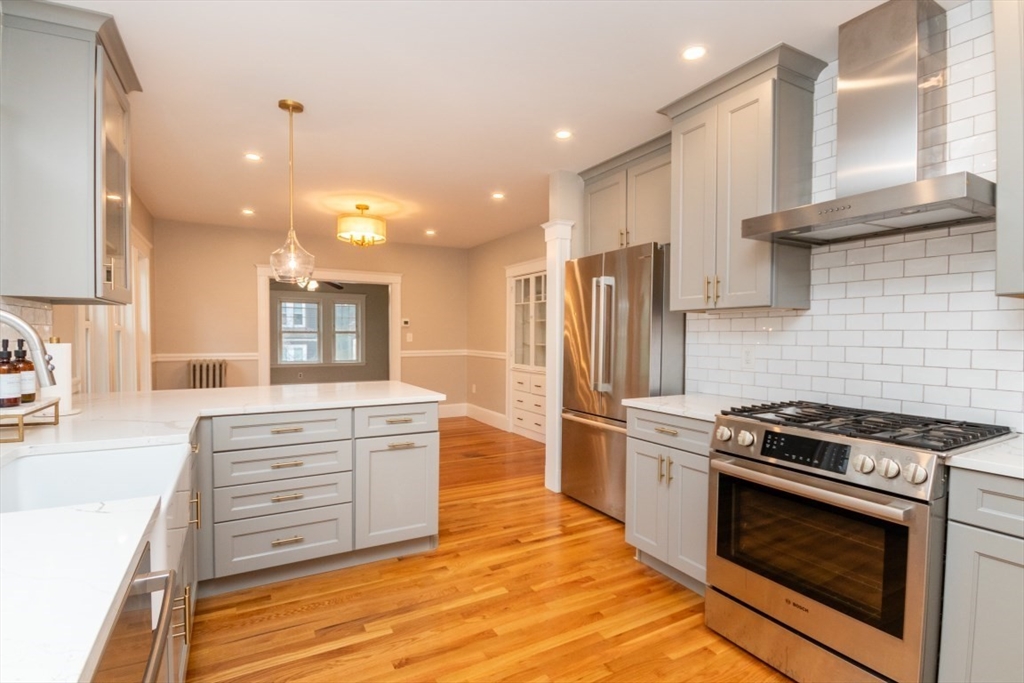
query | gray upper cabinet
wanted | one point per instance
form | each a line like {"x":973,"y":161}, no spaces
{"x":741,"y":147}
{"x":64,"y":155}
{"x":626,"y":199}
{"x":1008,"y":22}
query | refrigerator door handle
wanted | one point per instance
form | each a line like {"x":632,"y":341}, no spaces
{"x":606,"y":284}
{"x":594,"y":367}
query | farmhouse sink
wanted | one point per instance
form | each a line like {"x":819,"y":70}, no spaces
{"x":36,"y":481}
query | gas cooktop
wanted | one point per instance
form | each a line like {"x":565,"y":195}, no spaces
{"x":925,"y":433}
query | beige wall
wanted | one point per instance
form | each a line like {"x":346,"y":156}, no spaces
{"x":487,"y":311}
{"x":142,"y":219}
{"x":204,"y":297}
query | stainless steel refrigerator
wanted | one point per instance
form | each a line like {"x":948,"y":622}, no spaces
{"x":621,"y":341}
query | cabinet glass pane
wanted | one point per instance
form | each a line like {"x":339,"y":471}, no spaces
{"x":540,"y":320}
{"x":115,"y":186}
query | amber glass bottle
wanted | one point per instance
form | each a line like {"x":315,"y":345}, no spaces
{"x":28,"y":373}
{"x":10,"y":380}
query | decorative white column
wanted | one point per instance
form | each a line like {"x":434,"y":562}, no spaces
{"x":565,"y":210}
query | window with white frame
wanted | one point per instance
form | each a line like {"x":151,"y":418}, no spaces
{"x":320,"y":329}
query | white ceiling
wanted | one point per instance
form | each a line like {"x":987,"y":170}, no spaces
{"x":420,"y":108}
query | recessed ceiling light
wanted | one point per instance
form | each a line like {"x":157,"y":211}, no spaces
{"x":497,"y":195}
{"x":248,"y":212}
{"x":253,"y":156}
{"x":694,"y":52}
{"x":563,"y":134}
{"x":430,"y":232}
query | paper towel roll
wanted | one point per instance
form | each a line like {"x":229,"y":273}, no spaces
{"x":62,"y":373}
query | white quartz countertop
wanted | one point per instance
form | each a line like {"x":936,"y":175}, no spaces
{"x":696,"y":406}
{"x":61,"y":569}
{"x":61,"y":572}
{"x":1005,"y":458}
{"x":158,"y":417}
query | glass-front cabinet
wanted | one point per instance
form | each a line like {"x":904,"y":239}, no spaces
{"x":65,"y":200}
{"x":530,"y":321}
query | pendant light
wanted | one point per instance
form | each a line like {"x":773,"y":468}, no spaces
{"x":291,"y":263}
{"x":362,"y":229}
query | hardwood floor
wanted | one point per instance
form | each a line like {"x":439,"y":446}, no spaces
{"x":526,"y":585}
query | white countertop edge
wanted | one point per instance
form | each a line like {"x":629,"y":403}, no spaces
{"x":40,"y":637}
{"x":703,"y":407}
{"x":1005,"y":458}
{"x":325,"y":404}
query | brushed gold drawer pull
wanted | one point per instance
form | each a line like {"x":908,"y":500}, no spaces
{"x":290,"y":463}
{"x":718,"y":281}
{"x":287,"y":541}
{"x":669,"y":468}
{"x":707,"y":289}
{"x":198,"y":502}
{"x":398,"y":420}
{"x":402,"y":444}
{"x":666,"y":430}
{"x":661,"y":464}
{"x":286,"y":430}
{"x":186,"y":627}
{"x":286,"y":497}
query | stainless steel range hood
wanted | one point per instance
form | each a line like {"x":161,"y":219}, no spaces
{"x":890,"y":137}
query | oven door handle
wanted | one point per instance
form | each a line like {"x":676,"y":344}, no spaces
{"x":891,"y":512}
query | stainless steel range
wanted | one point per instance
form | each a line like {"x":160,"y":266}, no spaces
{"x":826,"y":537}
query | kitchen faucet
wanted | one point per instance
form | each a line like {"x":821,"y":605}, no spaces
{"x":44,"y":369}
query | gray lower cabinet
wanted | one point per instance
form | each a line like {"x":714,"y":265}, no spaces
{"x":667,"y":490}
{"x":983,"y":599}
{"x":396,"y":473}
{"x":281,"y":488}
{"x":291,"y":486}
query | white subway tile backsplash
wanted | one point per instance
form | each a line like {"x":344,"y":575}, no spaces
{"x":935,"y":265}
{"x":899,"y":322}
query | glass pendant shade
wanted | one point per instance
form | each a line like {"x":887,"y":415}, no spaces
{"x":362,"y":229}
{"x":291,"y":263}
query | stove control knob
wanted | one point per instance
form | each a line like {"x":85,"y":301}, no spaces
{"x":890,"y":469}
{"x":723,"y":433}
{"x":864,"y":464}
{"x":915,"y":474}
{"x":745,"y":438}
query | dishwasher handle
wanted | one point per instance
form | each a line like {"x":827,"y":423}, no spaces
{"x":150,"y":583}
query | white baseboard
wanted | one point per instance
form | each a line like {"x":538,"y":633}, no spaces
{"x":451,"y":410}
{"x":488,"y":417}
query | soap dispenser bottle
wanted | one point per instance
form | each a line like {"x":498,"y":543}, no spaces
{"x":10,"y":380}
{"x":27,"y":369}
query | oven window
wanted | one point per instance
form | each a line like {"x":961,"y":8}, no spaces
{"x":851,"y":562}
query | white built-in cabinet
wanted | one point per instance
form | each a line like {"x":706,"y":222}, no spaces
{"x":527,"y":313}
{"x":983,"y":598}
{"x":667,"y":492}
{"x":741,"y":147}
{"x":64,"y":155}
{"x":626,"y":199}
{"x":1008,"y":26}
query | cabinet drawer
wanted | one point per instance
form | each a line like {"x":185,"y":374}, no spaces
{"x":528,"y":420}
{"x":261,"y":542}
{"x":520,"y":380}
{"x":401,"y":419}
{"x":987,"y":500}
{"x":236,"y":432}
{"x":669,"y":430}
{"x":528,"y":402}
{"x":538,"y":384}
{"x":273,"y":464}
{"x":289,"y":495}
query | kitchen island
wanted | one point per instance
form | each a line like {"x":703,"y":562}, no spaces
{"x":99,"y":550}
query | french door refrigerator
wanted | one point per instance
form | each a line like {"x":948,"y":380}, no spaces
{"x":621,"y":341}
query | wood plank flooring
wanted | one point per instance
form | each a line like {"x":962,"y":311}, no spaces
{"x":526,"y":585}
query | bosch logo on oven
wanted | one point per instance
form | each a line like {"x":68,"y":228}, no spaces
{"x":800,"y":607}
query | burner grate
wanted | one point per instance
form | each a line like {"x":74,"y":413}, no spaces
{"x":934,"y":434}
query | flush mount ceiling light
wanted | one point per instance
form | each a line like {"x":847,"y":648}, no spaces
{"x":291,"y":263}
{"x":430,"y":232}
{"x":694,"y":52}
{"x":497,"y":195}
{"x":248,"y":212}
{"x":362,"y":229}
{"x":563,"y":134}
{"x":253,"y":156}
